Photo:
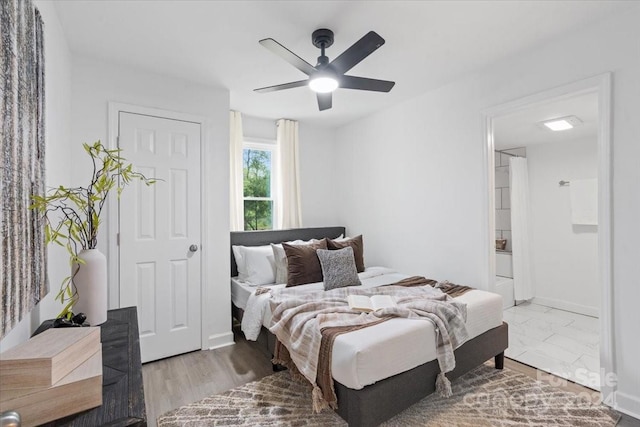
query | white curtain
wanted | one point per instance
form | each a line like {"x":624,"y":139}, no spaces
{"x":236,"y":189}
{"x":520,"y":235}
{"x":289,"y":212}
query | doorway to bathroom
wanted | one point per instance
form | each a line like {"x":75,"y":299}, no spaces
{"x":549,"y":203}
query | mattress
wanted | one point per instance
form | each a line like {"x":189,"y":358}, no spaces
{"x":363,"y":357}
{"x":240,"y":292}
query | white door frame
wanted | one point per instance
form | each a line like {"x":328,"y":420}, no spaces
{"x":600,"y":84}
{"x":113,"y":219}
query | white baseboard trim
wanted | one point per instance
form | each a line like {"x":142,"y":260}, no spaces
{"x":219,"y":340}
{"x":627,"y":404}
{"x":567,"y":306}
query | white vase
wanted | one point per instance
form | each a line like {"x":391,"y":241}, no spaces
{"x":91,"y":283}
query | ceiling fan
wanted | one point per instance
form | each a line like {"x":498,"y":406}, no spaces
{"x":327,"y":76}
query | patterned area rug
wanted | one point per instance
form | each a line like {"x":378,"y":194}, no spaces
{"x":483,"y":397}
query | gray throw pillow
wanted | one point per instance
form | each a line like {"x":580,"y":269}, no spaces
{"x":355,"y":243}
{"x":338,"y":268}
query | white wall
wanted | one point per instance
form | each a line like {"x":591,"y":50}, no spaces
{"x":318,"y":177}
{"x":94,"y":84}
{"x":317,"y":168}
{"x":414,"y":172}
{"x":257,"y":127}
{"x":57,"y":137}
{"x":413,"y":186}
{"x":564,"y":257}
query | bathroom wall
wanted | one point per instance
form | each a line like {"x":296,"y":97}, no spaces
{"x":564,"y":256}
{"x":503,"y":193}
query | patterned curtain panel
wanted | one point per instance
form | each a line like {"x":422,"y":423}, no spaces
{"x":23,"y":266}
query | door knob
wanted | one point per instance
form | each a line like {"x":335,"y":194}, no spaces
{"x":10,"y":419}
{"x":193,"y":248}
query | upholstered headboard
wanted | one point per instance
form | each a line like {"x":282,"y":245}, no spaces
{"x":259,"y":238}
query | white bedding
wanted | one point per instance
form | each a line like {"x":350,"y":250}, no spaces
{"x":363,"y":357}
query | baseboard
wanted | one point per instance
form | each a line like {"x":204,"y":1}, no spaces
{"x":219,"y":340}
{"x":627,"y":404}
{"x":567,"y":306}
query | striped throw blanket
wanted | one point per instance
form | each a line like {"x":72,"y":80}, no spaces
{"x":299,"y":319}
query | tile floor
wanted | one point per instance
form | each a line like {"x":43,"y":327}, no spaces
{"x":555,"y":341}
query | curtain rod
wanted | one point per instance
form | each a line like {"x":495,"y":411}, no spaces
{"x":508,"y":154}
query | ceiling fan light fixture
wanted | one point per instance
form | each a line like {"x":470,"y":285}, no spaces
{"x":323,"y":84}
{"x":325,"y":77}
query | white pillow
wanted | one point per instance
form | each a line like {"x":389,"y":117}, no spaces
{"x":238,"y":252}
{"x":280,"y":261}
{"x":275,"y":257}
{"x":259,"y":263}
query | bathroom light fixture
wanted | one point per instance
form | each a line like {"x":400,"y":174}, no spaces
{"x":561,"y":123}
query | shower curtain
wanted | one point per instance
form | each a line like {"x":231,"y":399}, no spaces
{"x":519,"y":181}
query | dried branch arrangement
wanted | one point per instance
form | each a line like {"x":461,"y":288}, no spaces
{"x":72,"y":214}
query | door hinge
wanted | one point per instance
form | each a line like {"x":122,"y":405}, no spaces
{"x":118,"y":239}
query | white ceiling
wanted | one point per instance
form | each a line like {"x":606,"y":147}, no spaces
{"x":521,"y":129}
{"x":428,"y":43}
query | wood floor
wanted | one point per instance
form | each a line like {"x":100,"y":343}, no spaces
{"x":176,"y":381}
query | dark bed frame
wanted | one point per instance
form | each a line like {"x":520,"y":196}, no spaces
{"x":378,"y":402}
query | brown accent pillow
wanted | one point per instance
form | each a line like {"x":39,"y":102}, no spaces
{"x":303,"y":265}
{"x":356,"y":244}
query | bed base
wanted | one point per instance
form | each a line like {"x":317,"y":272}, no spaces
{"x":376,"y":403}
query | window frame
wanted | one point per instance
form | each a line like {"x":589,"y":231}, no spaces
{"x":264,"y":144}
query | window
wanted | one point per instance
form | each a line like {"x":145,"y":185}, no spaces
{"x":258,"y":166}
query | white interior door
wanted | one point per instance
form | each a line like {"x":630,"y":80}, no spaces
{"x":159,"y":260}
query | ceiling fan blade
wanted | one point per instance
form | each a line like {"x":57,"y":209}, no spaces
{"x":361,"y":83}
{"x":324,"y":101}
{"x":357,"y":52}
{"x":282,"y":86}
{"x":288,"y":56}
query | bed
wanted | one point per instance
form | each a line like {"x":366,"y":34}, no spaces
{"x":370,"y":389}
